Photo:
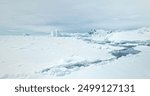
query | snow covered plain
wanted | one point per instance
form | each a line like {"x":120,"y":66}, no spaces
{"x":119,"y":55}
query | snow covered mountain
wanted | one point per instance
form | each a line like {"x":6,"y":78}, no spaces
{"x":103,"y":54}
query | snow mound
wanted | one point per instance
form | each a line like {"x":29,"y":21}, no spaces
{"x":119,"y":36}
{"x":131,"y":35}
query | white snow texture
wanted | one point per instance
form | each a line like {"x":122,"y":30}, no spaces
{"x":102,"y":54}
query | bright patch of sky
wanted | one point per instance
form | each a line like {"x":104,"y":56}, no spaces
{"x":73,"y":15}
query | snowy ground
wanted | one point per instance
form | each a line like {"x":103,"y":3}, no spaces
{"x":114,"y":55}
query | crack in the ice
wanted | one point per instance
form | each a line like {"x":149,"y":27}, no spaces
{"x":119,"y":44}
{"x":62,"y":70}
{"x":68,"y":67}
{"x":124,"y":52}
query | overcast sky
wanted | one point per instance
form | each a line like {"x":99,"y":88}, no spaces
{"x":73,"y":15}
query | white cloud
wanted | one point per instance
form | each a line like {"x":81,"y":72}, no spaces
{"x":74,"y":14}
